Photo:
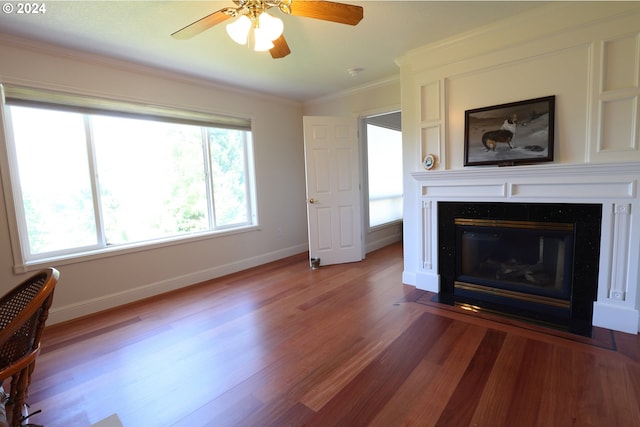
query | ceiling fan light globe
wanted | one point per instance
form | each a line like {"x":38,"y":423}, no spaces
{"x":260,"y":41}
{"x":270,"y":25}
{"x":239,"y":29}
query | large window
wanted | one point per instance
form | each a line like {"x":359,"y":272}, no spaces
{"x":84,"y":179}
{"x":384,"y":165}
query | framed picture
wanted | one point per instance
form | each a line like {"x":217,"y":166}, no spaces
{"x":508,"y":134}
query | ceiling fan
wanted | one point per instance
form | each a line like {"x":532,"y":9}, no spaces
{"x":254,"y":26}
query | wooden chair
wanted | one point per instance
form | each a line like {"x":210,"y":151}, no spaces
{"x":23,"y":313}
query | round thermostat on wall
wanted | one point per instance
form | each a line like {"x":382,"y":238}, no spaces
{"x":429,"y":161}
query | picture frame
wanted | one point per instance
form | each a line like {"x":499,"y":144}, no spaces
{"x":508,"y":134}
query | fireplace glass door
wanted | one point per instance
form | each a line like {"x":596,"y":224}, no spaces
{"x":517,"y":259}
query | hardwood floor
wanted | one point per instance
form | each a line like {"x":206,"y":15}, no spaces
{"x":344,"y":345}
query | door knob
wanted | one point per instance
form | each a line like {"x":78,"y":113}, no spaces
{"x":312,"y":200}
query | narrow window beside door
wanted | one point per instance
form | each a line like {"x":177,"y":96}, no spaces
{"x":384,"y":165}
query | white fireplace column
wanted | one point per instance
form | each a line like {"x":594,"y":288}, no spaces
{"x":617,"y":304}
{"x":620,"y":252}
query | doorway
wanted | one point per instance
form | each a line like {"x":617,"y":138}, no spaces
{"x":381,"y":137}
{"x":353,"y":209}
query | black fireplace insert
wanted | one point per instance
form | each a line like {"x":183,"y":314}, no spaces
{"x":534,"y":261}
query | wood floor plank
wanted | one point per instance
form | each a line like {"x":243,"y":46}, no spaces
{"x":524,"y":407}
{"x":633,"y":393}
{"x":358,"y":402}
{"x":463,"y":402}
{"x":382,"y":335}
{"x":345,"y":345}
{"x":426,"y":392}
{"x":615,"y":377}
{"x":502,"y":384}
{"x":558,"y":382}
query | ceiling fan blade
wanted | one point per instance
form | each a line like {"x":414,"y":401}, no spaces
{"x":280,"y":48}
{"x":328,"y":11}
{"x":200,"y":25}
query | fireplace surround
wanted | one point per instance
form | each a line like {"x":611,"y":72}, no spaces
{"x":535,"y":261}
{"x":612,"y":187}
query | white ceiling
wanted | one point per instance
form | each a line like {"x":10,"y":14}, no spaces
{"x":322,"y":52}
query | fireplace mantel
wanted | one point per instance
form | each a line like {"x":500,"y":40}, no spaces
{"x":615,"y":186}
{"x":589,"y":181}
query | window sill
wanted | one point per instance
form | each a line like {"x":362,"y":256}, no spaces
{"x":389,"y":224}
{"x":120,"y":250}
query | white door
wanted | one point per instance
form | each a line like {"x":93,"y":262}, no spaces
{"x":333,"y":189}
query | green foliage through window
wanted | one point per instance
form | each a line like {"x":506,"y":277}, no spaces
{"x":86,"y":181}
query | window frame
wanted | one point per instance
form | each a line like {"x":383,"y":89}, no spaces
{"x":23,"y":261}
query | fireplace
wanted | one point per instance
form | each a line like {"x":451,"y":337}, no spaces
{"x":534,"y":261}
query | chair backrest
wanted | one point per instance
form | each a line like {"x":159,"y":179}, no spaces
{"x":23,"y":312}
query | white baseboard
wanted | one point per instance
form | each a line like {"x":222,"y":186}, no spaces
{"x":83,"y":308}
{"x":409,"y":278}
{"x":381,"y":243}
{"x":428,"y":282}
{"x":615,"y":317}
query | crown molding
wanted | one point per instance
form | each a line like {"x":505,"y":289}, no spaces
{"x":84,"y":57}
{"x":356,"y":90}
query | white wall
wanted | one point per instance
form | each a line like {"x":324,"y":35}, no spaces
{"x":587,"y":54}
{"x":97,"y":284}
{"x":362,"y":101}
